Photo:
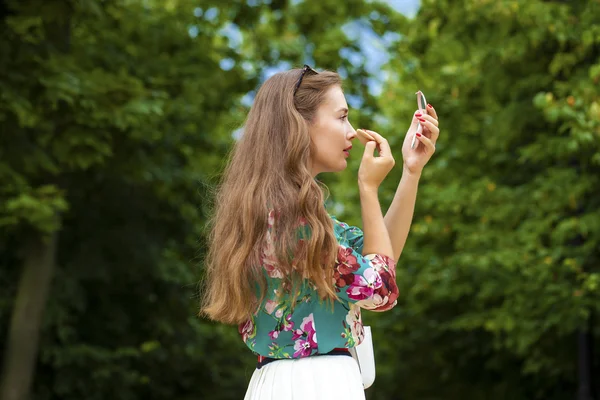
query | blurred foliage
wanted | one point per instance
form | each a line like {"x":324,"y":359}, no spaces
{"x":118,"y":116}
{"x":502,"y":266}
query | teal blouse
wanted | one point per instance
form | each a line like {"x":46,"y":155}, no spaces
{"x":279,"y":330}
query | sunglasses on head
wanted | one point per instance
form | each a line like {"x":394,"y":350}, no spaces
{"x":305,"y":69}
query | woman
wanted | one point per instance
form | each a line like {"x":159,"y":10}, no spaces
{"x":290,"y":275}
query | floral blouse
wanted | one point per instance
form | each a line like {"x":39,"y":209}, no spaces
{"x":279,"y":330}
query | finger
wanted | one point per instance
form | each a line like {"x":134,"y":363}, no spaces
{"x":427,"y":143}
{"x":431,"y":111}
{"x":369,"y":150}
{"x":384,"y":146}
{"x":430,"y":118}
{"x":433,"y":130}
{"x":363,"y":136}
{"x":415,"y":120}
{"x":376,"y":136}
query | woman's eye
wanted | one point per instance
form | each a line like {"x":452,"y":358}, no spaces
{"x":344,"y":117}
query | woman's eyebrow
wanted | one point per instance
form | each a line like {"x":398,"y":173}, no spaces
{"x":344,"y":109}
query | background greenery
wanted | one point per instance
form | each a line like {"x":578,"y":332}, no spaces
{"x":116,"y":116}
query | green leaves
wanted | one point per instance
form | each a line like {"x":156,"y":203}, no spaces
{"x":122,"y":122}
{"x":510,"y":200}
{"x":35,"y":207}
{"x":118,"y":116}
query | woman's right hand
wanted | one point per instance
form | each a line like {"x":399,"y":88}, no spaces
{"x":373,"y":169}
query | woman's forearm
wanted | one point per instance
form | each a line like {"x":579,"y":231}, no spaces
{"x":400,"y":214}
{"x":376,"y":239}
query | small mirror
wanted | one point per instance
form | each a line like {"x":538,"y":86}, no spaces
{"x":421,"y":102}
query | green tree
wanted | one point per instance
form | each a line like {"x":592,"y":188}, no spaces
{"x":112,"y":116}
{"x":116,"y":117}
{"x":501,"y":270}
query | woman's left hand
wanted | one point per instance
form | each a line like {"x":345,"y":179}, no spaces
{"x":415,"y":159}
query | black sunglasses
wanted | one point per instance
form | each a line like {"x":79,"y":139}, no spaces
{"x":305,"y":69}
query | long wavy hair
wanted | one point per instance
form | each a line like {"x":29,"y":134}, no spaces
{"x":269,"y":169}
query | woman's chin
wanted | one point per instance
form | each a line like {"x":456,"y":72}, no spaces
{"x":334,"y":168}
{"x":343,"y":166}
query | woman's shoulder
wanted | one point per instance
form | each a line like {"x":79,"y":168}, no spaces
{"x":342,"y":226}
{"x":336,"y":221}
{"x":346,"y":234}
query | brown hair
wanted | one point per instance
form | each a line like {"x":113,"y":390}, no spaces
{"x":268,"y":169}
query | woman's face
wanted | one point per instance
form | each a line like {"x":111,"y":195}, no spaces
{"x":331,"y":133}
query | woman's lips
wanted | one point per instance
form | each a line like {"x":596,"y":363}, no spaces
{"x":347,"y":151}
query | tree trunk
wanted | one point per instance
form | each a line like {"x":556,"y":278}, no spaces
{"x":585,"y":357}
{"x":23,"y":337}
{"x":39,"y":254}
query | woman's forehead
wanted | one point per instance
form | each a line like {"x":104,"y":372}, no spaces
{"x":335,"y":99}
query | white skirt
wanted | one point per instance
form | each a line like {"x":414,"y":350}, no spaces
{"x":315,"y":378}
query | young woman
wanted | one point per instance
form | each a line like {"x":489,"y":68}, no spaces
{"x":292,"y":277}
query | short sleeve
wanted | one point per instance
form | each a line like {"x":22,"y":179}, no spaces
{"x":369,"y":280}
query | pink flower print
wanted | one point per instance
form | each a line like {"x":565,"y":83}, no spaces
{"x":303,"y":348}
{"x":297,"y":334}
{"x":364,"y":286}
{"x":306,"y":327}
{"x":341,"y":281}
{"x":274,"y":334}
{"x":354,"y":321}
{"x":247,"y":330}
{"x":268,"y":258}
{"x":305,"y":337}
{"x":378,"y":262}
{"x":271,"y":218}
{"x":308,"y":324}
{"x":375,"y":302}
{"x":288,"y":324}
{"x":346,"y":261}
{"x":270,"y":306}
{"x":273,"y":271}
{"x":358,"y":332}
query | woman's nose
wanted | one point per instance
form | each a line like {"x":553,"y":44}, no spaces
{"x":351,"y":133}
